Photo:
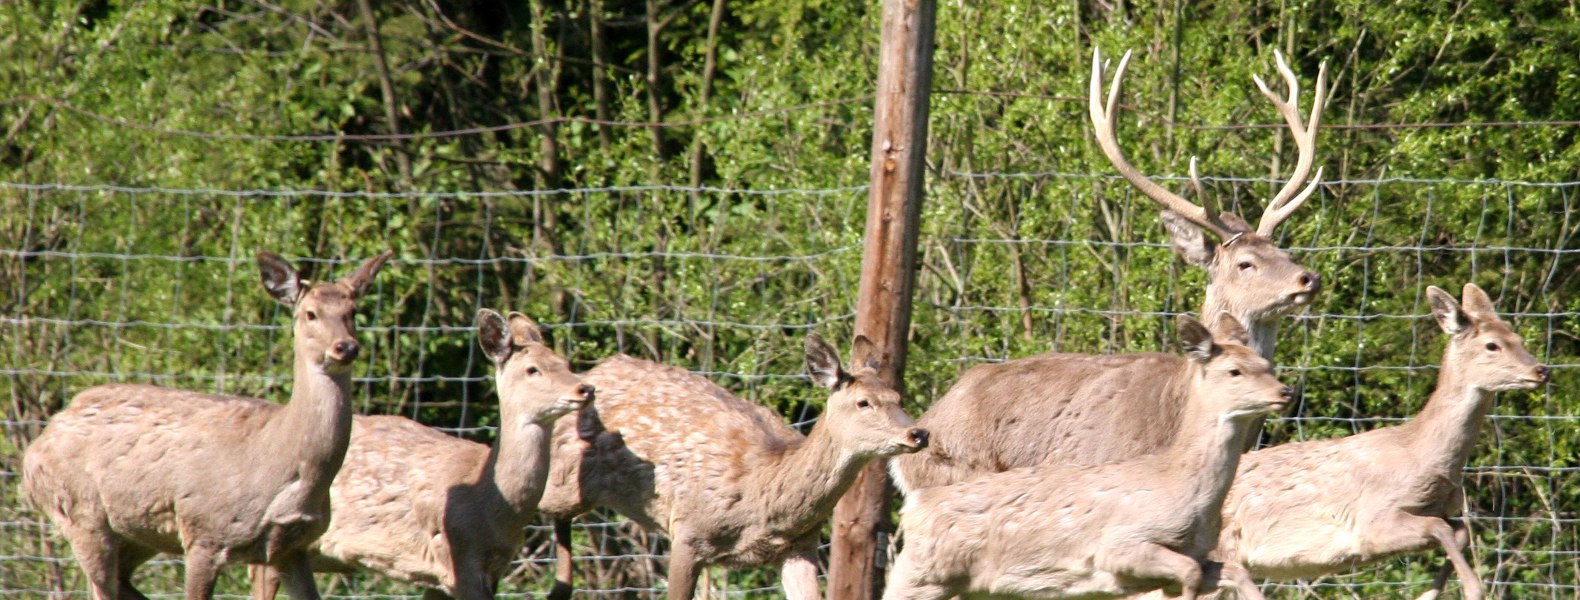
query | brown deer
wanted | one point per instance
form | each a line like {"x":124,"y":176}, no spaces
{"x":727,"y":480}
{"x":129,"y":471}
{"x":1088,"y":409}
{"x":1072,"y":531}
{"x":417,"y":505}
{"x":1306,"y":509}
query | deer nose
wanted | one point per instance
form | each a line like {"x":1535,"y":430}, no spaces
{"x":586,"y":390}
{"x":1310,"y":281}
{"x":918,"y":436}
{"x":1288,"y":393}
{"x":347,"y":350}
{"x":1542,"y":372}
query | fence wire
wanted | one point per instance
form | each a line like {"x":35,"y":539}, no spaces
{"x":141,"y":284}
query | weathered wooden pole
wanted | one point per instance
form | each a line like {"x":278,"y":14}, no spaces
{"x":888,"y":269}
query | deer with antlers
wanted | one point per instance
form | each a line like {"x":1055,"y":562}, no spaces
{"x":1087,"y":409}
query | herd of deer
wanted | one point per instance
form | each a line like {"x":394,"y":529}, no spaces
{"x":1052,"y":476}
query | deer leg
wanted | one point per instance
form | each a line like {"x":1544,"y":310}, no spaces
{"x":1408,"y":530}
{"x":1454,"y":537}
{"x":704,"y":583}
{"x":1153,"y":561}
{"x":472,"y":581}
{"x":297,"y":575}
{"x":202,"y":569}
{"x":132,"y":556}
{"x":98,"y":552}
{"x":1239,"y":576}
{"x":905,"y":580}
{"x":799,"y":575}
{"x":265,"y":581}
{"x":682,"y":570}
{"x":1439,"y":581}
{"x":564,"y":572}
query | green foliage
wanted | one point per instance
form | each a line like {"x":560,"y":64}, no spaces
{"x":1028,"y":243}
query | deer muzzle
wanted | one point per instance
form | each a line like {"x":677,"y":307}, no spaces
{"x":1310,"y":285}
{"x":584,"y":395}
{"x":345,"y":351}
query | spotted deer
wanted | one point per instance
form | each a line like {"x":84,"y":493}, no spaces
{"x":1307,"y":509}
{"x":727,"y":480}
{"x":1090,"y":409}
{"x":129,"y":471}
{"x":1072,"y":531}
{"x":416,"y":505}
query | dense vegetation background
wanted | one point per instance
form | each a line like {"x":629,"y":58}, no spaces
{"x":684,"y":180}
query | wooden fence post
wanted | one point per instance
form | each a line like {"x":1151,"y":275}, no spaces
{"x":888,"y":269}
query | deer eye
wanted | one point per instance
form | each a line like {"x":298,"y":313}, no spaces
{"x":1245,"y":265}
{"x":1234,"y":372}
{"x":863,"y":404}
{"x":1493,"y":347}
{"x":534,"y":371}
{"x":311,"y":316}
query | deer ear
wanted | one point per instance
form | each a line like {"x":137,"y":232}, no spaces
{"x":1449,"y":315}
{"x":1477,"y":304}
{"x":359,"y":279}
{"x":280,"y":278}
{"x":491,"y":335}
{"x":1230,"y":329}
{"x":1196,"y":340}
{"x":523,"y":330}
{"x":822,"y":363}
{"x":1188,"y":240}
{"x":864,"y":354}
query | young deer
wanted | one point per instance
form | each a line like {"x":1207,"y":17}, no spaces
{"x":129,"y":471}
{"x":727,"y":480}
{"x":1069,"y":531}
{"x":417,"y":505}
{"x":1308,"y":509}
{"x":1087,"y":409}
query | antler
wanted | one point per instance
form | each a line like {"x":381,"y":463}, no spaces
{"x":1286,"y":201}
{"x":1205,"y":215}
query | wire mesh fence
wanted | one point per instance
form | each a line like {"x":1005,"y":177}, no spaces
{"x":113,"y":283}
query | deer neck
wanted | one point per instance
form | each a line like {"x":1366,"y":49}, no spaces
{"x":800,"y":485}
{"x":1446,"y":428}
{"x":1263,"y":333}
{"x":312,"y":431}
{"x":518,"y":463}
{"x":1208,"y":450}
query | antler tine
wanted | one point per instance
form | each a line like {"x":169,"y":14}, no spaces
{"x":1305,"y":136}
{"x":1208,"y":206}
{"x":1276,"y":214}
{"x":1103,"y":123}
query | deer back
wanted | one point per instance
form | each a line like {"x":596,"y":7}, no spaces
{"x":656,"y":432}
{"x":1066,"y":408}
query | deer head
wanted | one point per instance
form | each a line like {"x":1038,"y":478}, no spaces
{"x":529,"y":375}
{"x":1487,"y":353}
{"x":863,"y":412}
{"x":1248,"y":274}
{"x":1231,"y":378}
{"x":325,"y":313}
